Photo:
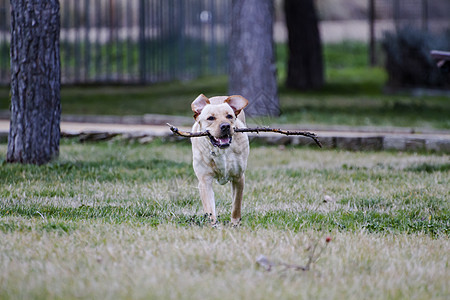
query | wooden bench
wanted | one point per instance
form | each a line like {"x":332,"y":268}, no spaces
{"x":442,"y":57}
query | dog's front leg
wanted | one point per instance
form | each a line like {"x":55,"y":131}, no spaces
{"x":238,"y":191}
{"x":207,"y":196}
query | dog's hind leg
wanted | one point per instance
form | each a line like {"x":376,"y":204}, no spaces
{"x":238,"y":191}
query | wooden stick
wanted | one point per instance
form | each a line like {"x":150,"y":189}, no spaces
{"x":257,"y":130}
{"x":187,"y":134}
{"x":285,"y":132}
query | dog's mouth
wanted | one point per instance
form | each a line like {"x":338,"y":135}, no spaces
{"x":221,"y":142}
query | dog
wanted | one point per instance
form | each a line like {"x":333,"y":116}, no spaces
{"x":223,"y":154}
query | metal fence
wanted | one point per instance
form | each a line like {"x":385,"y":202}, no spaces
{"x":428,"y":15}
{"x":432,"y":16}
{"x":135,"y":41}
{"x":4,"y":41}
{"x":145,"y":41}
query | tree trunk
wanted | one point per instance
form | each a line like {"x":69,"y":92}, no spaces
{"x":35,"y":82}
{"x":252,"y":59}
{"x":305,"y":65}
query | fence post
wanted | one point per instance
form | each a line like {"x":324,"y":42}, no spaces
{"x":87,"y":40}
{"x":142,"y":55}
{"x":425,"y":15}
{"x":4,"y":43}
{"x":372,"y":58}
{"x":396,"y":10}
{"x":213,"y":51}
{"x":181,"y":47}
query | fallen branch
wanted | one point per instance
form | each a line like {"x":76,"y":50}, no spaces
{"x":311,"y":135}
{"x":268,"y":264}
{"x":285,"y":132}
{"x":313,"y":257}
{"x":186,"y":133}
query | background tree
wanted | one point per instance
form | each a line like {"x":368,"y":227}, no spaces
{"x":35,"y":82}
{"x":305,"y":63}
{"x":252,"y":59}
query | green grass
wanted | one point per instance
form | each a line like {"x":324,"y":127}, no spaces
{"x":123,"y":220}
{"x":353,"y":95}
{"x":172,"y":98}
{"x":396,"y":195}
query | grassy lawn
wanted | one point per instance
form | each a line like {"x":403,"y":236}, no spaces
{"x":120,"y":220}
{"x":352,"y":96}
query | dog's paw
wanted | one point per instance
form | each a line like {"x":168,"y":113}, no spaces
{"x":213,"y":220}
{"x":235,"y":222}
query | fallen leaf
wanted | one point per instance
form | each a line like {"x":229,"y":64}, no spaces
{"x":328,"y":199}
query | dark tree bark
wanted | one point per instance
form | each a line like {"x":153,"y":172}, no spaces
{"x":252,"y":59}
{"x":305,"y":65}
{"x":35,"y":82}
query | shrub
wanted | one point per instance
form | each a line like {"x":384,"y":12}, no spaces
{"x":408,"y":60}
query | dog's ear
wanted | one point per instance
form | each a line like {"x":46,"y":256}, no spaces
{"x":237,"y":103}
{"x":199,"y":103}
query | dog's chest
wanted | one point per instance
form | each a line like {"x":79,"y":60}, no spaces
{"x":225,"y":166}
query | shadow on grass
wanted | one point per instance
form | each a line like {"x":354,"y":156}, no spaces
{"x":101,"y":171}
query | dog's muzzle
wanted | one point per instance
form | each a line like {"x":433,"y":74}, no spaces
{"x":224,"y":140}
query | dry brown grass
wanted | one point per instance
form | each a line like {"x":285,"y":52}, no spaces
{"x":135,"y":261}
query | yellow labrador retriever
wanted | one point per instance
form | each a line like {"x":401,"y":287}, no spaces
{"x":223,"y":154}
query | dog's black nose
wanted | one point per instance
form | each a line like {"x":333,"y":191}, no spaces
{"x":225,"y":128}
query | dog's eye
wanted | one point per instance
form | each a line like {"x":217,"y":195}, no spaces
{"x":229,"y":117}
{"x":211,"y":118}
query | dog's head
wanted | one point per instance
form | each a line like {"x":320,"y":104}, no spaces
{"x":218,"y":116}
